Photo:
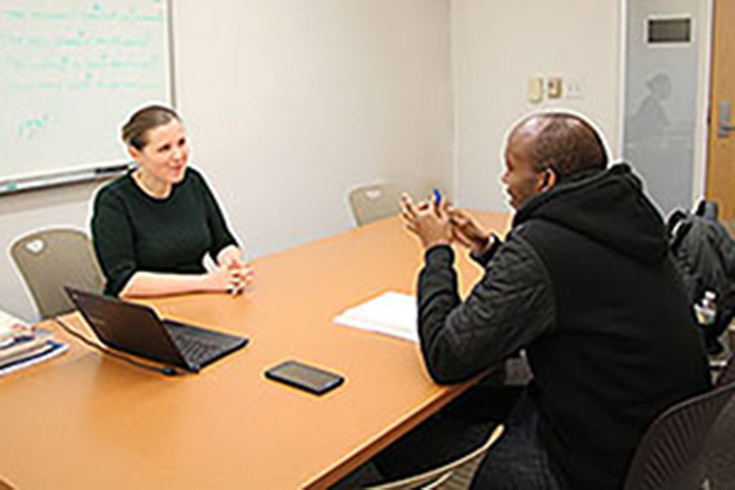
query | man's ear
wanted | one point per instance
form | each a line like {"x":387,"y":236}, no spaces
{"x":549,"y":179}
{"x":545,"y":180}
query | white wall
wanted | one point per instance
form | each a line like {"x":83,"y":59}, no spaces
{"x":497,"y":47}
{"x":288,"y":104}
{"x":291,"y":103}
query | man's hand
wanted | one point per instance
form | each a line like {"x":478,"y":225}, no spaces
{"x":467,"y":232}
{"x":427,"y":220}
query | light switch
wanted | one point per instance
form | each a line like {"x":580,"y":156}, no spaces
{"x":536,"y":89}
{"x":554,"y":87}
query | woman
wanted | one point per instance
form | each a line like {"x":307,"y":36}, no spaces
{"x":153,"y":226}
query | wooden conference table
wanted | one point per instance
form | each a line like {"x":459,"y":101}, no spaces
{"x":88,"y":421}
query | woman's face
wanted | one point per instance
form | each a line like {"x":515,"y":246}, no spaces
{"x":165,"y":153}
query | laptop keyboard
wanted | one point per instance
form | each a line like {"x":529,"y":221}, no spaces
{"x":201,"y":346}
{"x":194,"y":350}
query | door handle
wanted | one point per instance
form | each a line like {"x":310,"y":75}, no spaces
{"x":723,"y":119}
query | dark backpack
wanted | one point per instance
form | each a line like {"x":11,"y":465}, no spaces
{"x":704,"y":253}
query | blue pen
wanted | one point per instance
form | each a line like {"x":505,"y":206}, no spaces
{"x":437,"y":196}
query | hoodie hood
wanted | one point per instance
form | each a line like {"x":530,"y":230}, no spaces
{"x":608,"y":207}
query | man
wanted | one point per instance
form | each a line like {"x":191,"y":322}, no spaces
{"x":584,"y":283}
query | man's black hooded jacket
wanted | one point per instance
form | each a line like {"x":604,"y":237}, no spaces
{"x":586,"y":285}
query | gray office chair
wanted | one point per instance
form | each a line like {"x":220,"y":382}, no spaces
{"x":372,"y":202}
{"x":672,"y":452}
{"x":50,"y":259}
{"x":720,"y":452}
{"x":456,"y":475}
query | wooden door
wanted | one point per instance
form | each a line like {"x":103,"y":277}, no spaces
{"x":721,"y":143}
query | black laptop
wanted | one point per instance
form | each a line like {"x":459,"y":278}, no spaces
{"x":136,"y":329}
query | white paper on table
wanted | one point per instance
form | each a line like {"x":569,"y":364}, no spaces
{"x":391,"y":313}
{"x":11,"y":327}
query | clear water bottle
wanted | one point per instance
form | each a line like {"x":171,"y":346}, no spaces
{"x":706,"y":310}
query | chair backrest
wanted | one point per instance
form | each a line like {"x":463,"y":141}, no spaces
{"x":372,"y":202}
{"x":671,"y":453}
{"x":50,"y":259}
{"x":728,"y":372}
{"x":456,"y":475}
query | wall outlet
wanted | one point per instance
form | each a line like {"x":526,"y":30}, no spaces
{"x":536,"y":89}
{"x":554,"y":87}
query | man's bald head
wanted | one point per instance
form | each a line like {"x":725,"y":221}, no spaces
{"x":565,"y":143}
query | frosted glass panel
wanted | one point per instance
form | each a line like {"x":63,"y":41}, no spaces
{"x":661,"y":101}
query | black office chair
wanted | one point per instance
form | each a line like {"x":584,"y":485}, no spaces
{"x":727,"y":375}
{"x":672,"y":454}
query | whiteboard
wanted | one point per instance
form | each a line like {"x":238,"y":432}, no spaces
{"x":71,"y":73}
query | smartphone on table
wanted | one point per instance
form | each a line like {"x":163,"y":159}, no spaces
{"x":309,"y":378}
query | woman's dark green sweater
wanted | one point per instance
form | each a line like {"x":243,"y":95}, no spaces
{"x":133,"y":231}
